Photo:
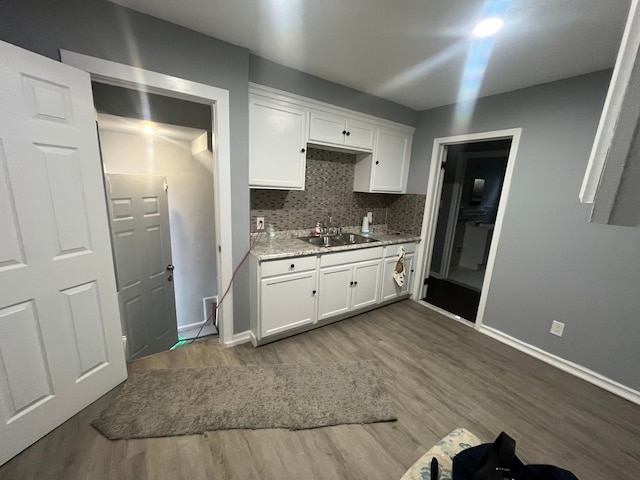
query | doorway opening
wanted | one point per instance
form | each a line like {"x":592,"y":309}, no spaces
{"x":469,"y":200}
{"x":468,"y":191}
{"x":216,"y":99}
{"x":158,"y":165}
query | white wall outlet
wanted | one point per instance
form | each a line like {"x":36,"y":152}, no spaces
{"x":557,"y":328}
{"x":260,"y":223}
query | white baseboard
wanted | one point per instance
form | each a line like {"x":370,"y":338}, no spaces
{"x":239,"y":338}
{"x":565,"y":365}
{"x":189,"y":326}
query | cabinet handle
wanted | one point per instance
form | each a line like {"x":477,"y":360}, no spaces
{"x":355,"y":284}
{"x":348,"y":133}
{"x":314,"y":292}
{"x":351,"y":283}
{"x":344,"y":132}
{"x":377,"y":162}
{"x":292,"y":266}
{"x":411,"y":270}
{"x":302,"y":151}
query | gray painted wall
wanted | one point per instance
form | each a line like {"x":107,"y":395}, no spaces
{"x":271,"y":74}
{"x":111,"y":32}
{"x":552,"y":264}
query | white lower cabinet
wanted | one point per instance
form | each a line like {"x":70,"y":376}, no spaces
{"x":366,"y":283}
{"x":296,"y":292}
{"x":336,"y":291}
{"x":287,"y":301}
{"x":348,"y":287}
{"x":390,"y":289}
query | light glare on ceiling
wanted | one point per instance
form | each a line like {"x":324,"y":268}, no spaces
{"x":487,"y":27}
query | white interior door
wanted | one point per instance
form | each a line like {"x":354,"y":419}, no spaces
{"x":60,"y":336}
{"x":139,"y":217}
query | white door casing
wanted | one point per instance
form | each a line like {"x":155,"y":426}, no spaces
{"x":133,"y":77}
{"x":139,"y":218}
{"x":60,"y":336}
{"x":423,"y":262}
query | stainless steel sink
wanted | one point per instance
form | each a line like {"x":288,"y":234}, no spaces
{"x":322,"y":241}
{"x":354,"y":238}
{"x":338,"y":240}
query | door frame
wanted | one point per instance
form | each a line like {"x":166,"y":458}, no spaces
{"x":122,"y":75}
{"x":430,"y":217}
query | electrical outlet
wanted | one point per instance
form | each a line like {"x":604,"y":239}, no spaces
{"x":557,"y":328}
{"x":260,"y":223}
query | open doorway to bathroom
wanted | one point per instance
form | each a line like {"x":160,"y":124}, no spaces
{"x":472,"y":179}
{"x":149,"y":139}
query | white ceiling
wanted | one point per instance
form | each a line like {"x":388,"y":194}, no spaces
{"x":114,"y":123}
{"x":412,"y":52}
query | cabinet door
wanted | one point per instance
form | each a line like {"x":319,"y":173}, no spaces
{"x":277,"y":144}
{"x":366,"y":284}
{"x":408,"y":279}
{"x":334,"y":291}
{"x":390,"y":288}
{"x":391,"y":161}
{"x":359,"y":135}
{"x":287,"y":301}
{"x":327,"y":128}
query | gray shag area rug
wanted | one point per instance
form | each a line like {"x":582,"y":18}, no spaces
{"x":184,"y":401}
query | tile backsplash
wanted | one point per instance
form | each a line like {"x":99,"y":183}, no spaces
{"x":329,"y":189}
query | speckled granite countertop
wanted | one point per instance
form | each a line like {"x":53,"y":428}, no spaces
{"x":287,"y":245}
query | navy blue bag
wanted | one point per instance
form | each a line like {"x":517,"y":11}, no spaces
{"x":498,"y":461}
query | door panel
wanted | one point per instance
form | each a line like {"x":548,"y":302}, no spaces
{"x":366,"y":287}
{"x":60,"y":335}
{"x":287,"y":301}
{"x":334,"y":290}
{"x":139,"y":214}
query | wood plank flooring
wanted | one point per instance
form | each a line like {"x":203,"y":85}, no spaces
{"x":441,"y":374}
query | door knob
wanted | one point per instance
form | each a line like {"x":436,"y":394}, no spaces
{"x":170,"y":268}
{"x":170,"y":278}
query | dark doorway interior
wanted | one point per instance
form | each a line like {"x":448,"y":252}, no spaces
{"x":453,"y":298}
{"x":472,"y":183}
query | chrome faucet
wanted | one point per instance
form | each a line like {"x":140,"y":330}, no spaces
{"x":331,"y":228}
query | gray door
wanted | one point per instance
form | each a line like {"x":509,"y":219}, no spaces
{"x":139,"y":217}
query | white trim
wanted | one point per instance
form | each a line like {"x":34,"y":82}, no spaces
{"x":128,"y":76}
{"x":238,"y":339}
{"x":444,"y":313}
{"x":565,"y":365}
{"x":430,"y":211}
{"x":286,"y":97}
{"x":612,"y":110}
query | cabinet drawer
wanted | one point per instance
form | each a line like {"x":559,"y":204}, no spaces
{"x":352,"y":256}
{"x":394,"y":250}
{"x":287,"y":265}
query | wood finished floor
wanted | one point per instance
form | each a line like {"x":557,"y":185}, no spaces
{"x":441,"y":374}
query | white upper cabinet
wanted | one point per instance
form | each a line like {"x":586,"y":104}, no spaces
{"x":277,"y":144}
{"x":328,"y":128}
{"x":387,"y":169}
{"x":281,"y":125}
